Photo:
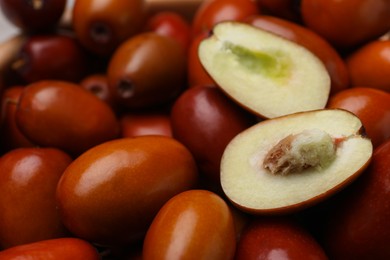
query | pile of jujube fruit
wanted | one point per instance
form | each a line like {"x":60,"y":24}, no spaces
{"x":112,"y":132}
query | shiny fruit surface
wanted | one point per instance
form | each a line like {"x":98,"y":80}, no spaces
{"x":147,"y":70}
{"x":53,"y":249}
{"x":196,"y":73}
{"x":277,"y":238}
{"x":148,"y":123}
{"x":211,"y":12}
{"x":11,"y":136}
{"x":370,"y":65}
{"x":196,"y":224}
{"x":28,"y":183}
{"x":372,"y":106}
{"x":173,"y":25}
{"x":64,"y":115}
{"x":110,"y":194}
{"x":347,"y":23}
{"x":35,"y":60}
{"x":102,"y":25}
{"x":98,"y":85}
{"x":199,"y":120}
{"x":35,"y":15}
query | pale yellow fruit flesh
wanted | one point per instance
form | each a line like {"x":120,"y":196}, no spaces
{"x":265,"y":73}
{"x":248,"y":184}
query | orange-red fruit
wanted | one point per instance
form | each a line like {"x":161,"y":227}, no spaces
{"x":171,"y":24}
{"x":147,"y":70}
{"x":372,"y":106}
{"x":196,"y":73}
{"x":210,"y":12}
{"x":370,"y":65}
{"x":334,"y":64}
{"x":359,"y":226}
{"x":11,"y":136}
{"x":102,"y":25}
{"x":53,"y":249}
{"x":148,"y":123}
{"x":110,"y":194}
{"x":97,"y":84}
{"x":347,"y":23}
{"x":195,"y":224}
{"x":205,"y":121}
{"x":28,"y":182}
{"x":64,"y":115}
{"x":277,"y":238}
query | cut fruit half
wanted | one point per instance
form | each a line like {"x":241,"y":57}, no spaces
{"x":263,"y":72}
{"x":288,"y":163}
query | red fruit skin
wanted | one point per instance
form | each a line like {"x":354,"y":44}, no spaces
{"x":147,"y":70}
{"x":110,"y":194}
{"x":28,"y":182}
{"x":370,"y":65}
{"x":205,"y":121}
{"x":102,"y":25}
{"x":54,"y":57}
{"x":347,"y":23}
{"x":171,"y":24}
{"x":11,"y":136}
{"x":196,"y":73}
{"x":24,"y":15}
{"x":359,"y":226}
{"x":64,"y":115}
{"x":98,"y":85}
{"x":333,"y":62}
{"x":210,"y":12}
{"x":53,"y":249}
{"x":372,"y":106}
{"x":138,"y":124}
{"x":277,"y":238}
{"x":195,"y":224}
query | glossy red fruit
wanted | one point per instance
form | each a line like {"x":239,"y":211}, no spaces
{"x":333,"y":62}
{"x":359,"y":226}
{"x":370,"y":65}
{"x":110,"y":194}
{"x":11,"y":136}
{"x":102,"y":25}
{"x":210,"y":12}
{"x":195,"y":224}
{"x":28,"y":182}
{"x":147,"y":70}
{"x":64,"y":115}
{"x":171,"y":24}
{"x":205,"y":121}
{"x":148,"y":123}
{"x":277,"y":238}
{"x":35,"y":15}
{"x":54,"y":57}
{"x":196,"y":73}
{"x":98,"y":85}
{"x":347,"y":23}
{"x":53,"y":249}
{"x":372,"y":106}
